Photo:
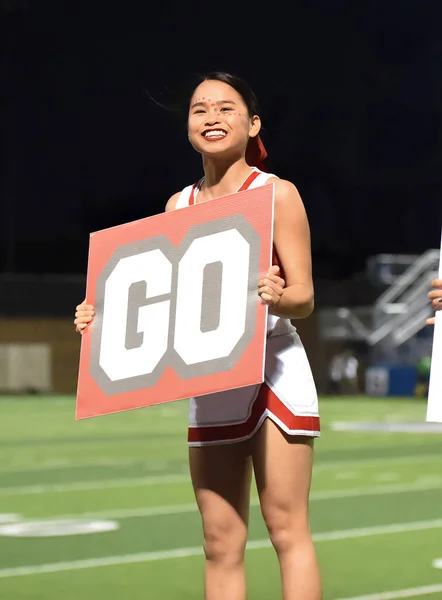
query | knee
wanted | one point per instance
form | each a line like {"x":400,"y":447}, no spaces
{"x":287,"y":531}
{"x":224,"y":542}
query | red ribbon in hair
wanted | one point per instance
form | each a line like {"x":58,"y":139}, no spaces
{"x":256,"y":153}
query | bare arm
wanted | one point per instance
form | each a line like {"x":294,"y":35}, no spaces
{"x":292,"y":243}
{"x":171,"y":203}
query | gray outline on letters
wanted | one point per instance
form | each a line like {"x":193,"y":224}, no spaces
{"x":171,"y":357}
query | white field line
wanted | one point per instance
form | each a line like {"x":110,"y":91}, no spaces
{"x":343,"y":534}
{"x":177,"y":509}
{"x":93,"y":485}
{"x":171,"y":479}
{"x":67,"y":464}
{"x":319,"y":466}
{"x":408,"y":593}
{"x":393,"y":460}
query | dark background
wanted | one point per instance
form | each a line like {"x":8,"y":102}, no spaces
{"x":352,"y":104}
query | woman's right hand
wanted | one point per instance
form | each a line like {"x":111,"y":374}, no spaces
{"x":436,"y":298}
{"x":83,"y":316}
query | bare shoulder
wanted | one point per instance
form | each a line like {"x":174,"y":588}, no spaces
{"x":286,"y":193}
{"x":172,"y":202}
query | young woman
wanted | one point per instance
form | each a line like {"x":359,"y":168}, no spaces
{"x":436,"y":297}
{"x":269,"y":429}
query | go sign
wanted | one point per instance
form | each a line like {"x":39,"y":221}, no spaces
{"x":176,"y":314}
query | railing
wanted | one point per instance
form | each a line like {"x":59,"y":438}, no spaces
{"x":423,"y":266}
{"x":412,"y":302}
{"x":384,"y":269}
{"x":398,"y":314}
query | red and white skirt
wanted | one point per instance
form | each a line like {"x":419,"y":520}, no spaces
{"x":288,"y":397}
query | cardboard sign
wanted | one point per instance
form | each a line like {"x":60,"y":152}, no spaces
{"x":434,"y":406}
{"x":177,"y":311}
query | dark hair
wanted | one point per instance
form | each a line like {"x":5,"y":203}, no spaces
{"x":238,"y":84}
{"x":182,"y":100}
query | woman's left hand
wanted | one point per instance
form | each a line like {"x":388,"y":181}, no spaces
{"x":271,"y":287}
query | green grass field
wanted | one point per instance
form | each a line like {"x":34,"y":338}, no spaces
{"x":376,"y":506}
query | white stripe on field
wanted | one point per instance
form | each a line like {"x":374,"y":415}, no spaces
{"x":171,"y":479}
{"x":66,"y":464}
{"x":319,"y":465}
{"x":375,"y":490}
{"x":93,"y":485}
{"x":408,"y":593}
{"x":393,"y":460}
{"x":107,"y":561}
{"x":177,"y":509}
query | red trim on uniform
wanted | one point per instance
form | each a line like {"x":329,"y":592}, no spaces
{"x":192,"y":192}
{"x":277,"y":262}
{"x":253,"y":175}
{"x":266,"y":400}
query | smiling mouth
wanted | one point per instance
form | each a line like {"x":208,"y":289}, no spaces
{"x":214,"y":134}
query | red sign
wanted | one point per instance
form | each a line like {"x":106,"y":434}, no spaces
{"x":177,"y":313}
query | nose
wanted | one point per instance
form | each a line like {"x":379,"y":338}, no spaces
{"x":212,"y":120}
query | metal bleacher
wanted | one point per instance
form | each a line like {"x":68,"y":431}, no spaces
{"x":399,"y":312}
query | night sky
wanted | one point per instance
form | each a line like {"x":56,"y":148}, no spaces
{"x":351,"y":96}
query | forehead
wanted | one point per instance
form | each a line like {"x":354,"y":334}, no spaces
{"x":216,"y":91}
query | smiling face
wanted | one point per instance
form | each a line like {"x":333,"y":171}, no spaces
{"x":219,"y":121}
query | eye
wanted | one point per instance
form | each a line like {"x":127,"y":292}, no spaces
{"x":226,"y":108}
{"x":199,"y":111}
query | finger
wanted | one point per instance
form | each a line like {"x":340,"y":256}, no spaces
{"x":437,"y":304}
{"x":268,"y":299}
{"x":431,"y":321}
{"x":436,"y":283}
{"x":270,"y":291}
{"x":435,"y":294}
{"x":80,"y":320}
{"x":84,"y":307}
{"x":275,"y":278}
{"x":266,"y":283}
{"x":274,"y":269}
{"x":84,"y":313}
{"x":277,"y":285}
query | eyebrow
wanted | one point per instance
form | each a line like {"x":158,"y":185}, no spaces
{"x":219,"y":102}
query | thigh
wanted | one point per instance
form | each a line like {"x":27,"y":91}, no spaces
{"x":283,"y":468}
{"x":221,"y":477}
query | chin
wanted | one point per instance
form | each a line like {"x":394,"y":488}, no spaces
{"x":212,"y":148}
{"x":224,"y":153}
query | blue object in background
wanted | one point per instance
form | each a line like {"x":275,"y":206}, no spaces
{"x":402,"y":381}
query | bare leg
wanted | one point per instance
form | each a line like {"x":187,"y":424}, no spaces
{"x":221,"y":477}
{"x":283,"y":467}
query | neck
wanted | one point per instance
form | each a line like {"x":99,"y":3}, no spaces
{"x":223,"y":177}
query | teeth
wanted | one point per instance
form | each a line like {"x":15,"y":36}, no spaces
{"x":215,"y":133}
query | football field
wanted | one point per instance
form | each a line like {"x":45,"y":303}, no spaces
{"x":103,"y":508}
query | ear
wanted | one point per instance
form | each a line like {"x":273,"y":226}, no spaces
{"x":255,"y":126}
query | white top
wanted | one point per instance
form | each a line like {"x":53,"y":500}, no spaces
{"x":184,"y":197}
